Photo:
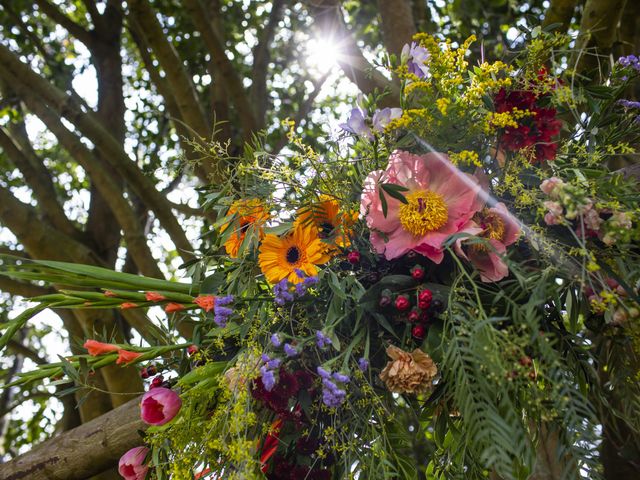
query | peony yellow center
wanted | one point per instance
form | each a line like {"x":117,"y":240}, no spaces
{"x":492,"y":228}
{"x":425,"y":211}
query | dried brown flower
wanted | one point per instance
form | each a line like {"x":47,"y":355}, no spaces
{"x":408,"y":372}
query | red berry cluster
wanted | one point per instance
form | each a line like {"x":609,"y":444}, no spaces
{"x":538,"y":129}
{"x":416,"y":308}
{"x":149,"y":371}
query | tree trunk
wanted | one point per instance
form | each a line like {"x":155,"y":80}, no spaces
{"x":90,"y":449}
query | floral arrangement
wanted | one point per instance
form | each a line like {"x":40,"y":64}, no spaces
{"x":431,"y":297}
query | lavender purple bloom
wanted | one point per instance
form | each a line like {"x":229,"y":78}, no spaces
{"x":629,"y":103}
{"x":332,"y":394}
{"x":363,"y":364}
{"x":222,"y":313}
{"x":415,"y":57}
{"x":282,"y":290}
{"x":289,"y":350}
{"x":382,"y":118}
{"x":630,"y":61}
{"x":356,"y":123}
{"x":341,"y":377}
{"x":322,"y":340}
{"x":275,"y":340}
{"x":268,"y":378}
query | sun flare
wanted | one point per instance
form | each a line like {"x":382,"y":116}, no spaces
{"x":322,"y":53}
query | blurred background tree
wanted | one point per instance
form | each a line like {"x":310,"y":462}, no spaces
{"x":103,"y":104}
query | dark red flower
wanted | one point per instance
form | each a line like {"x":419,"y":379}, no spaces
{"x":306,"y":445}
{"x":304,"y":378}
{"x":517,"y":138}
{"x":546,"y":151}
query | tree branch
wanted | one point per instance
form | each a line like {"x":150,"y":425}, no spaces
{"x":181,"y":83}
{"x":598,"y":29}
{"x":69,"y":25}
{"x":41,"y":185}
{"x":227,"y":72}
{"x":19,"y":348}
{"x":23,"y":289}
{"x":165,"y":89}
{"x":559,"y":11}
{"x":89,"y":125}
{"x":261,"y":57}
{"x":106,"y":185}
{"x":398,"y":26}
{"x":330,"y":23}
{"x":82,"y":452}
{"x":37,"y":237}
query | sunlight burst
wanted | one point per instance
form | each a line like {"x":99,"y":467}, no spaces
{"x":323,"y":53}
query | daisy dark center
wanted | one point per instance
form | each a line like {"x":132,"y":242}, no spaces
{"x":326,"y":229}
{"x":293,"y":255}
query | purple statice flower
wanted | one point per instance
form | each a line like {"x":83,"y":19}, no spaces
{"x":322,"y":340}
{"x":273,"y":364}
{"x":357,"y":124}
{"x":630,"y":61}
{"x":275,"y":340}
{"x":323,"y":373}
{"x":282,"y":290}
{"x":301,"y":289}
{"x":382,"y":118}
{"x":265,"y":358}
{"x":226,"y":300}
{"x":629,"y":103}
{"x":309,"y":281}
{"x":222,"y":313}
{"x":299,"y":273}
{"x":341,"y":377}
{"x":415,"y":57}
{"x":363,"y":364}
{"x":282,"y":293}
{"x":290,"y":350}
{"x":332,"y":395}
{"x":268,"y":378}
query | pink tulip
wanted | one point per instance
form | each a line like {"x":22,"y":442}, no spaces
{"x":159,"y":406}
{"x":131,"y":466}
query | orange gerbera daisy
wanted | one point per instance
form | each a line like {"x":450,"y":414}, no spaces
{"x":333,"y":224}
{"x":301,"y":249}
{"x":246,"y":213}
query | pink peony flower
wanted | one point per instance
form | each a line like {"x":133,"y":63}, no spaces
{"x":159,"y":406}
{"x":440,"y":201}
{"x":131,"y":466}
{"x":500,"y":229}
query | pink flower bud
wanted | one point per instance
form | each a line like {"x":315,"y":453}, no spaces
{"x":131,"y":466}
{"x":549,"y":185}
{"x":159,"y":406}
{"x":551,"y":219}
